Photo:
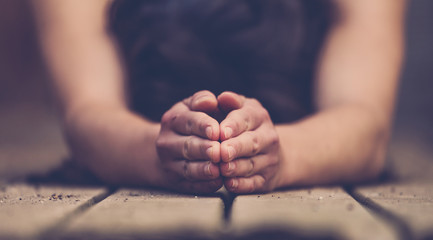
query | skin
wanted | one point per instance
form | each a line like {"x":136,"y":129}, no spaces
{"x":250,"y":148}
{"x":344,"y":141}
{"x":187,"y":144}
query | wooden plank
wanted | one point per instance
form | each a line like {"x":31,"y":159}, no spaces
{"x":411,"y":202}
{"x":27,"y":211}
{"x":150,"y":214}
{"x":409,"y":198}
{"x":318,"y":213}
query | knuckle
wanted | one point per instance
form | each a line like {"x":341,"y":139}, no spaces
{"x":251,"y":108}
{"x":263,"y":113}
{"x":247,"y":121}
{"x":274,"y":139}
{"x":236,"y":126}
{"x":250,"y":167}
{"x":203,"y":148}
{"x":274,"y":136}
{"x":160,"y":143}
{"x":186,"y":170}
{"x":186,"y":149}
{"x":235,"y":122}
{"x":202,"y":123}
{"x":165,"y":117}
{"x":255,"y":148}
{"x":169,"y":118}
{"x":251,"y":186}
{"x":188,"y":126}
{"x":255,"y":102}
{"x":256,"y":109}
{"x":259,"y":183}
{"x":255,"y":143}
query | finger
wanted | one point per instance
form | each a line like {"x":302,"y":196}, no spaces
{"x":200,"y":186}
{"x":186,"y":122}
{"x":228,"y":101}
{"x":246,"y":167}
{"x":196,"y":123}
{"x":188,"y":147}
{"x":251,"y":184}
{"x":203,"y":101}
{"x":249,"y":144}
{"x":194,"y":171}
{"x":247,"y":118}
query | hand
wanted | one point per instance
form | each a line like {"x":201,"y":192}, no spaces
{"x":188,"y":145}
{"x":249,"y":145}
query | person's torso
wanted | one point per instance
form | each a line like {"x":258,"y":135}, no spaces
{"x":261,"y":49}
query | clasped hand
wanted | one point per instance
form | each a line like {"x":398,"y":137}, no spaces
{"x":199,"y":154}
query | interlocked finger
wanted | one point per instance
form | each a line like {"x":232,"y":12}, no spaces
{"x":188,"y":147}
{"x":247,"y":118}
{"x":249,"y":143}
{"x":194,"y":171}
{"x":185,"y":122}
{"x":245,"y":167}
{"x":255,"y":183}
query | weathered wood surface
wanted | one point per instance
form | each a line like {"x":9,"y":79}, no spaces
{"x":408,"y":200}
{"x":150,"y":214}
{"x":409,"y":203}
{"x":29,"y":211}
{"x":31,"y":142}
{"x":324,"y":213}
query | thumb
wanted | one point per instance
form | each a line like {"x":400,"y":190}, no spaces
{"x":229,"y":101}
{"x":202,"y":101}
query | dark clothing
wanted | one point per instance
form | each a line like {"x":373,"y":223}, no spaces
{"x":265,"y":49}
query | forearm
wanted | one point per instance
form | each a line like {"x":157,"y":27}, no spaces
{"x":354,"y":92}
{"x":88,"y":78}
{"x":115,"y":144}
{"x":342,"y":144}
{"x":79,"y":52}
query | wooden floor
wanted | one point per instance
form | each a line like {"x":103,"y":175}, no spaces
{"x":42,"y":196}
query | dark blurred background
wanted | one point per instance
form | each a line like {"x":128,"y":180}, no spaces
{"x":30,"y":135}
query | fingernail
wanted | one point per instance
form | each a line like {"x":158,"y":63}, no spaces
{"x":234,"y":183}
{"x":209,"y":152}
{"x":230,"y":166}
{"x":209,"y":132}
{"x":201,"y":99}
{"x":231,"y":151}
{"x":228,"y":132}
{"x":207,"y":170}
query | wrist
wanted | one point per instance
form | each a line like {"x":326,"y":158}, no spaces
{"x":116,"y":144}
{"x":291,"y":169}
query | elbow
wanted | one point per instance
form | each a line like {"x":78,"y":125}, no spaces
{"x":378,"y":154}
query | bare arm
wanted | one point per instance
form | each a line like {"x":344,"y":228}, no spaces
{"x":355,"y":92}
{"x":80,"y":52}
{"x":87,"y":75}
{"x":345,"y":140}
{"x":116,"y":144}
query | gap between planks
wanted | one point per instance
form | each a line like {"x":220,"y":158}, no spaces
{"x":399,"y":225}
{"x":52,"y":232}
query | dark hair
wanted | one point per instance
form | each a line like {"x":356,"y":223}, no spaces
{"x":260,"y":48}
